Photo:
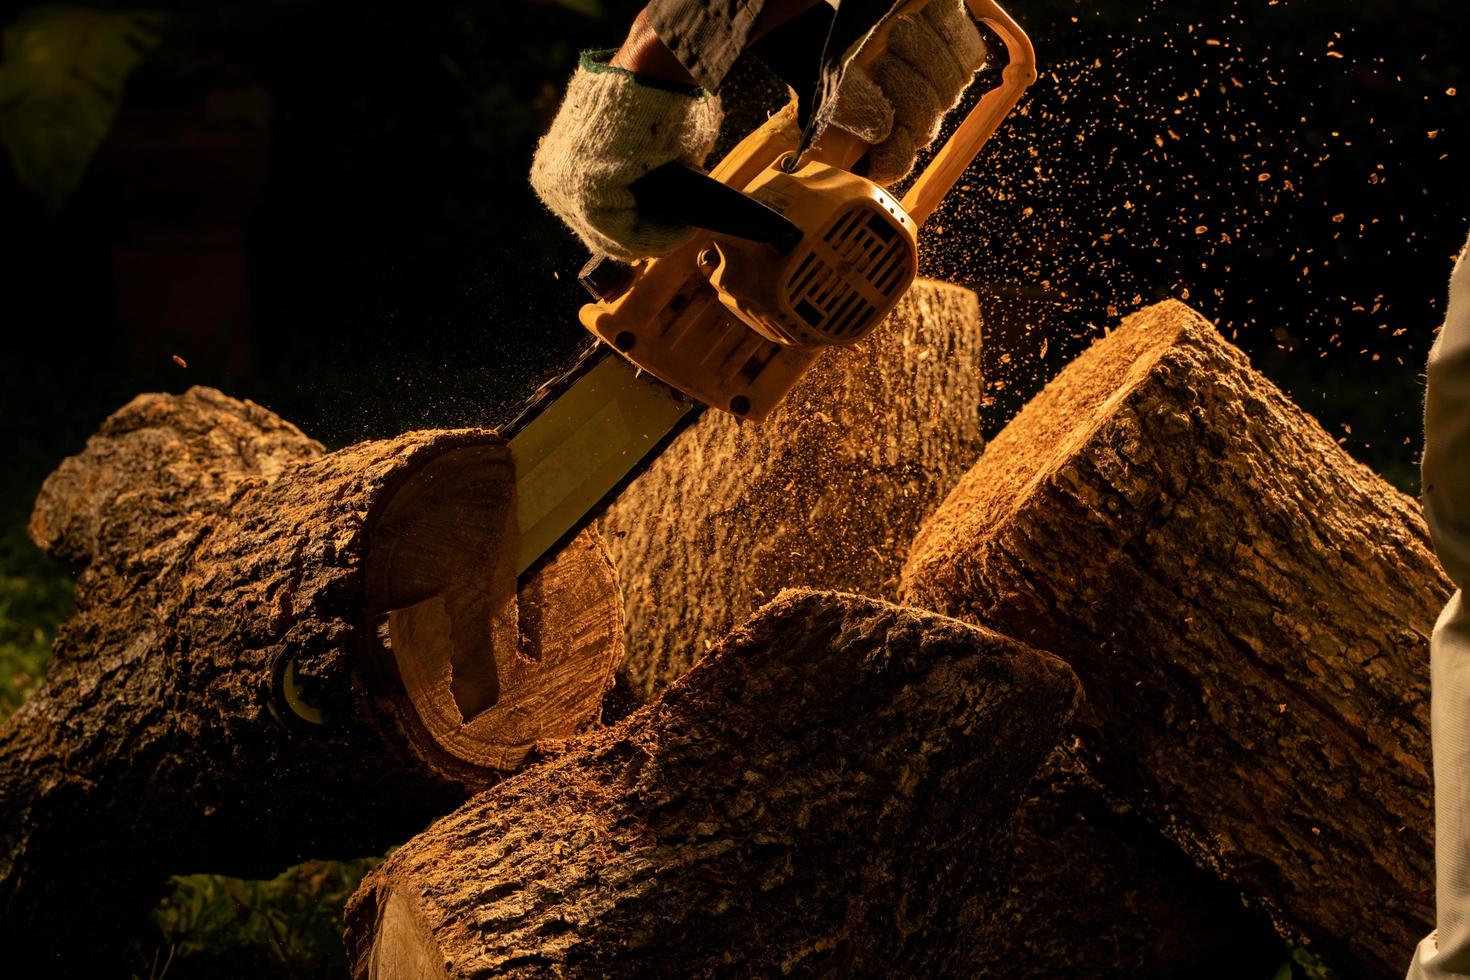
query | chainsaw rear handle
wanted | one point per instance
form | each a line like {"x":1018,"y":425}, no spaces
{"x":844,"y":150}
{"x":685,"y":195}
{"x":681,"y":194}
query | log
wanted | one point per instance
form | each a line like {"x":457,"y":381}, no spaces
{"x":825,"y":493}
{"x":1095,"y":891}
{"x":827,"y":793}
{"x":807,"y":500}
{"x":230,"y":569}
{"x":1248,"y":609}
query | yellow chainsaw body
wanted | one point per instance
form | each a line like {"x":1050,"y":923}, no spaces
{"x":735,"y":323}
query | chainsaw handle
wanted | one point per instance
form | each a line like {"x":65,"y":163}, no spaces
{"x":685,"y":195}
{"x":983,"y":120}
{"x":842,"y":149}
{"x":681,"y":194}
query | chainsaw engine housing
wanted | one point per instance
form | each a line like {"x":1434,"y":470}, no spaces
{"x":856,"y":259}
{"x":736,"y":323}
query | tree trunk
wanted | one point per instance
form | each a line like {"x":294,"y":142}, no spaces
{"x":1096,"y":892}
{"x":828,"y":493}
{"x":237,"y":581}
{"x":825,"y":493}
{"x":1248,"y":610}
{"x":827,"y":793}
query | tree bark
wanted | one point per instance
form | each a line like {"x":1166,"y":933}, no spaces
{"x":227,"y":560}
{"x":1248,"y":609}
{"x":1096,"y":892}
{"x":827,"y":793}
{"x":826,"y":493}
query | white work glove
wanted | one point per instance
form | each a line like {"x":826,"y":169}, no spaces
{"x":613,"y":127}
{"x":932,"y":56}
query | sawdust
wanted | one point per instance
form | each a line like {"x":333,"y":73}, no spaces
{"x":825,"y":493}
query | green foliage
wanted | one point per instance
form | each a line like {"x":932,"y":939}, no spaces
{"x":289,"y":926}
{"x":1304,"y":966}
{"x":61,"y":82}
{"x":35,"y":596}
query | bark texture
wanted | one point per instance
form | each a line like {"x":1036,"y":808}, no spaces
{"x":826,"y":794}
{"x":825,"y":493}
{"x":1247,"y":607}
{"x":215,"y":539}
{"x":828,"y":493}
{"x":1095,"y":891}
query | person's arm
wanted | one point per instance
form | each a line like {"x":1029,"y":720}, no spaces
{"x":1446,"y":465}
{"x":629,"y":111}
{"x":645,"y":54}
{"x":1445,"y":954}
{"x":626,"y":113}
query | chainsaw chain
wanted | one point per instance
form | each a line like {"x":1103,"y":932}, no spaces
{"x":551,"y":390}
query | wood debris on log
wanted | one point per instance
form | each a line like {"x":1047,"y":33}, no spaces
{"x":732,"y":513}
{"x":231,"y":568}
{"x":1247,"y":607}
{"x":827,"y":793}
{"x":825,"y":493}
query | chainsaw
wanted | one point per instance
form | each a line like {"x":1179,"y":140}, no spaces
{"x":796,"y":254}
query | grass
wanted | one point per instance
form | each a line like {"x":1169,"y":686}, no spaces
{"x":1304,"y":966}
{"x":289,"y":926}
{"x":35,"y":597}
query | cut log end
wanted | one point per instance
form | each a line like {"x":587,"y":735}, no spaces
{"x":236,"y":576}
{"x":487,"y":672}
{"x":404,"y":947}
{"x":827,"y":793}
{"x":1247,"y":608}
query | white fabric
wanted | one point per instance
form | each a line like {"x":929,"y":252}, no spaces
{"x":931,"y":59}
{"x":612,"y":129}
{"x":1445,"y":953}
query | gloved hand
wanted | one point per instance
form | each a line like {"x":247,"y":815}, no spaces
{"x":612,"y":128}
{"x":931,"y":58}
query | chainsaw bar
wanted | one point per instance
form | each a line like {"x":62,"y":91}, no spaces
{"x":579,"y":441}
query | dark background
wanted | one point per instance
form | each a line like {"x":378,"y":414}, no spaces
{"x":323,"y":206}
{"x":1288,"y":167}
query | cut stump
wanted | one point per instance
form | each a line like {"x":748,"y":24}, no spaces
{"x":238,"y":584}
{"x":828,"y":793}
{"x":825,"y":493}
{"x":1247,"y":607}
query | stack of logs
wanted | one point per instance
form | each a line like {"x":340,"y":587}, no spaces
{"x":1136,"y":694}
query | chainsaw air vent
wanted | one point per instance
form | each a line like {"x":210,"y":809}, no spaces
{"x":852,"y":277}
